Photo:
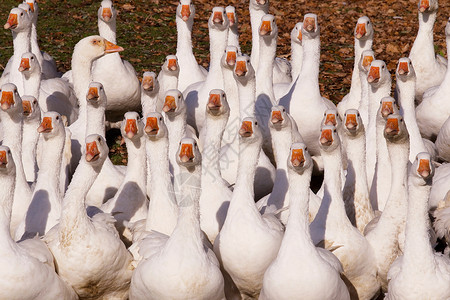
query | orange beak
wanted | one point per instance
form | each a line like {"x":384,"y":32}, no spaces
{"x":326,"y":138}
{"x":367,"y":60}
{"x":7,"y":100}
{"x":185,"y":12}
{"x":111,"y":48}
{"x":424,"y":168}
{"x":403,"y":68}
{"x":386,"y":109}
{"x":424,"y":5}
{"x":151,"y":126}
{"x":12,"y":22}
{"x":297,"y":157}
{"x":266,"y":28}
{"x":92,"y":153}
{"x":330,"y":119}
{"x":350,"y":122}
{"x":3,"y":159}
{"x":169,"y":104}
{"x":217,"y":18}
{"x":241,"y":68}
{"x":31,"y":4}
{"x":276,"y":117}
{"x":246,"y":129}
{"x":26,"y":105}
{"x":24,"y":64}
{"x":147,"y":83}
{"x":46,"y":125}
{"x":231,"y":58}
{"x":230,"y":17}
{"x":360,"y":30}
{"x":374,"y":74}
{"x":309,"y":24}
{"x":92,"y":94}
{"x":214,"y":102}
{"x":391,"y":128}
{"x":131,"y":128}
{"x":172,"y":64}
{"x":300,"y":35}
{"x":186,"y":153}
{"x":107,"y":14}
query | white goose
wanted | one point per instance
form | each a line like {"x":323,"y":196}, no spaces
{"x":233,"y":32}
{"x":197,"y":273}
{"x":89,"y":250}
{"x":30,"y":137}
{"x":28,"y":270}
{"x":124,"y":94}
{"x":167,"y":79}
{"x":441,"y":182}
{"x":289,"y":276}
{"x":367,"y":57}
{"x":420,"y":273}
{"x":248,"y":242}
{"x":149,"y":92}
{"x":430,"y":67}
{"x":443,"y":141}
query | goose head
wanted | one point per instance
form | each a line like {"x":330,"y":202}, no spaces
{"x":185,"y":10}
{"x":387,"y":107}
{"x":6,"y":160}
{"x":331,"y":117}
{"x":96,"y":95}
{"x":353,"y":124}
{"x":329,"y":139}
{"x":279,"y":118}
{"x":26,"y":7}
{"x":132,"y":127}
{"x":428,"y":6}
{"x":188,"y":155}
{"x":268,"y":27}
{"x":299,"y":159}
{"x":363,"y":29}
{"x":171,"y":66}
{"x":259,"y":4}
{"x":422,"y":170}
{"x":96,"y":150}
{"x":296,"y":33}
{"x":10,"y":100}
{"x":173,"y":103}
{"x":31,"y":109}
{"x":243,"y":70}
{"x":155,"y":128}
{"x":18,"y":20}
{"x":149,"y":81}
{"x":232,"y":16}
{"x":367,"y":57}
{"x":52,"y":125}
{"x":34,"y":6}
{"x":107,"y":12}
{"x":93,"y":47}
{"x":405,"y":70}
{"x":229,"y":57}
{"x":218,"y":19}
{"x":395,"y":129}
{"x":217,"y":103}
{"x":249,"y":131}
{"x":310,"y":27}
{"x":378,"y":73}
{"x":29,"y":64}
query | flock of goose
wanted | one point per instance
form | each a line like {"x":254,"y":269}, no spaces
{"x":216,"y":200}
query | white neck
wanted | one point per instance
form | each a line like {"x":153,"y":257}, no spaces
{"x":360,"y":46}
{"x":96,"y":119}
{"x":255,"y":19}
{"x":217,"y":46}
{"x":309,"y":75}
{"x":264,"y":75}
{"x":296,"y":59}
{"x":34,"y":43}
{"x":231,"y":90}
{"x":21,"y":43}
{"x":233,"y":37}
{"x":176,"y":125}
{"x":6,"y":201}
{"x":107,"y":30}
{"x":137,"y":164}
{"x":364,"y":103}
{"x":424,"y":44}
{"x":247,"y":91}
{"x":184,"y":43}
{"x":444,"y":88}
{"x":149,"y":100}
{"x":167,"y":82}
{"x":82,"y":77}
{"x":32,"y":82}
{"x":29,"y":142}
{"x":215,"y":126}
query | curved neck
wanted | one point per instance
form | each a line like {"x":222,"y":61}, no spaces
{"x":247,"y":93}
{"x":6,"y":201}
{"x":255,"y":19}
{"x":296,"y":59}
{"x":21,"y":43}
{"x":96,"y":117}
{"x":32,"y":83}
{"x":215,"y":126}
{"x":264,"y":75}
{"x":107,"y":30}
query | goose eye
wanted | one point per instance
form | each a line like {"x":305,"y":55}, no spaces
{"x":21,"y":14}
{"x":357,"y":114}
{"x":32,"y":58}
{"x":9,"y":151}
{"x":256,"y":123}
{"x":401,"y":120}
{"x":34,"y":102}
{"x":306,"y":148}
{"x":15,"y":90}
{"x":179,"y":97}
{"x":57,"y":117}
{"x":160,"y":118}
{"x":99,"y":139}
{"x":284,"y":110}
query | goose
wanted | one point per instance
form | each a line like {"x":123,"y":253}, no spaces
{"x":196,"y":95}
{"x":309,"y":104}
{"x":215,"y":195}
{"x":356,"y":190}
{"x":190,"y":71}
{"x":384,"y":236}
{"x":130,"y":204}
{"x":233,"y":32}
{"x":149,"y":92}
{"x":29,"y":263}
{"x":162,"y":209}
{"x":167,"y":78}
{"x":289,"y":276}
{"x":20,"y":24}
{"x":31,"y":121}
{"x":248,"y":242}
{"x":430,"y":67}
{"x":363,"y":41}
{"x":379,"y":81}
{"x":124,"y":94}
{"x":331,"y":117}
{"x":244,"y":75}
{"x":420,"y":272}
{"x":434,"y":109}
{"x":11,"y":114}
{"x":367,"y":57}
{"x":88,"y":250}
{"x":45,"y":207}
{"x":197,"y":275}
{"x":332,"y":227}
{"x":53,"y":94}
{"x":443,"y":141}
